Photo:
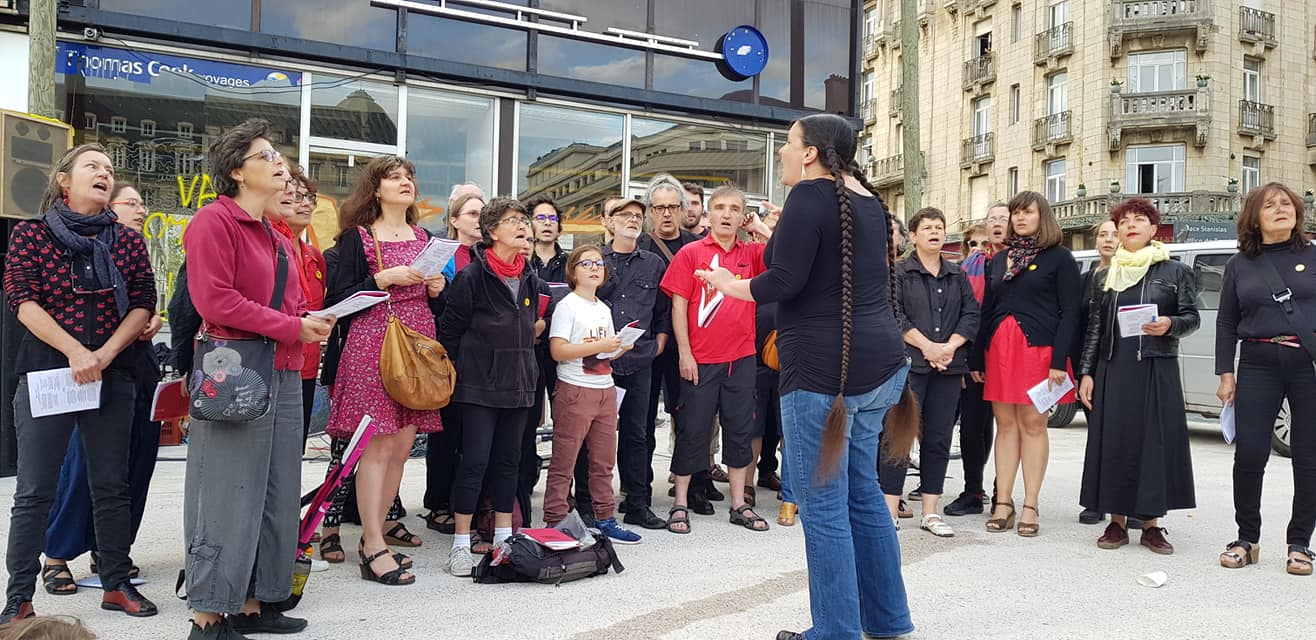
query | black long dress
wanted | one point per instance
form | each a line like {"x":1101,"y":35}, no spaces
{"x":1137,"y":461}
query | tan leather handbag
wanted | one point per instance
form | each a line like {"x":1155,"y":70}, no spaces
{"x":770,"y":356}
{"x":415,"y":369}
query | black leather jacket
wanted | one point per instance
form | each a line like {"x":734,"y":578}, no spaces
{"x":1169,"y":285}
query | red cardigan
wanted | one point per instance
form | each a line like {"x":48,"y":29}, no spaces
{"x":230,"y":277}
{"x":313,"y":274}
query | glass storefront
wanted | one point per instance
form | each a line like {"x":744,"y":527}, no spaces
{"x":450,"y":137}
{"x":706,"y":155}
{"x":573,"y":156}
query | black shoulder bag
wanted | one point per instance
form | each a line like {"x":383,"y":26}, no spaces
{"x":1284,"y":296}
{"x":231,"y":379}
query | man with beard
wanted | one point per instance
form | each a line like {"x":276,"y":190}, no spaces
{"x":694,"y":209}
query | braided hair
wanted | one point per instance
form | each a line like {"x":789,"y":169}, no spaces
{"x":836,"y":143}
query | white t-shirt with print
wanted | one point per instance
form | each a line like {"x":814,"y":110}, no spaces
{"x":577,"y":320}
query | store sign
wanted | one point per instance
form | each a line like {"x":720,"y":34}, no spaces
{"x":110,"y":63}
{"x":1203,"y":231}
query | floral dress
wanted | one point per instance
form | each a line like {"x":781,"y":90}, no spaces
{"x":358,"y":388}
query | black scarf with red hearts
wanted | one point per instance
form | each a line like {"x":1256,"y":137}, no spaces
{"x":1021,"y":251}
{"x":91,"y":234}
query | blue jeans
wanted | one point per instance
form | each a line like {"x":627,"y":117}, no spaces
{"x":850,"y":542}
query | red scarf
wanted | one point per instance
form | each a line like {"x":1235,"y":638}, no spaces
{"x":505,"y":269}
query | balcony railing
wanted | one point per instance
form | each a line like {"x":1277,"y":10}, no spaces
{"x":1256,"y":119}
{"x":1083,"y":212}
{"x":868,"y":110}
{"x":1160,"y":110}
{"x":1255,"y":25}
{"x":1142,"y":17}
{"x":1052,"y":130}
{"x":980,"y":71}
{"x":870,"y":45}
{"x":897,"y":102}
{"x":888,"y":171}
{"x":1311,"y":129}
{"x":977,"y":150}
{"x":1053,"y":43}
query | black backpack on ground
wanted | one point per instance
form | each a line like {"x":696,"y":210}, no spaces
{"x":528,"y":561}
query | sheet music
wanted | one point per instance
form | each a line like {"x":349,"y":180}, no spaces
{"x":53,"y":392}
{"x":1045,"y":395}
{"x":1132,"y":317}
{"x":628,"y":334}
{"x":357,"y":302}
{"x":435,"y":256}
{"x":1227,"y":427}
{"x":708,"y":304}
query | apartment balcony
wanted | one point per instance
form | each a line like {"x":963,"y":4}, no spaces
{"x":870,"y":46}
{"x":1052,"y":131}
{"x":977,"y":151}
{"x":976,"y":7}
{"x":1311,"y":139}
{"x":888,"y":35}
{"x":980,"y":72}
{"x":1134,"y":18}
{"x":1159,"y":111}
{"x":888,"y":171}
{"x":1050,"y":45}
{"x":1213,"y":206}
{"x":868,"y":111}
{"x":1256,"y":119}
{"x":897,"y":101}
{"x":1257,"y":27}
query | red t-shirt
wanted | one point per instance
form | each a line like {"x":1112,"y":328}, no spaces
{"x":729,"y":335}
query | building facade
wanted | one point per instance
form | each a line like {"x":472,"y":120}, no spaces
{"x":1193,"y":102}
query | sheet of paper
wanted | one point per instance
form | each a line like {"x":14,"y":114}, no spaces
{"x":709,"y":302}
{"x":1132,"y":317}
{"x":94,"y":582}
{"x":53,"y":392}
{"x":357,"y":302}
{"x":435,"y":256}
{"x":621,"y":395}
{"x":1045,"y":395}
{"x":1227,"y":428}
{"x":629,"y":334}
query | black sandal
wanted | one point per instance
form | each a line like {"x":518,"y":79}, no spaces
{"x":443,"y":522}
{"x":332,"y":544}
{"x":133,"y":572}
{"x":395,"y":578}
{"x":1298,"y":566}
{"x":402,"y":559}
{"x":52,"y":577}
{"x":399,"y":536}
{"x":738,"y":517}
{"x":684,"y":519}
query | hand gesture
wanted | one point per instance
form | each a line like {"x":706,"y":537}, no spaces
{"x":1085,"y":391}
{"x":772,"y":209}
{"x":1158,"y":328}
{"x":717,"y":278}
{"x":316,"y":329}
{"x":400,"y":276}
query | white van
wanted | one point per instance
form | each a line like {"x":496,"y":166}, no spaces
{"x":1197,"y":351}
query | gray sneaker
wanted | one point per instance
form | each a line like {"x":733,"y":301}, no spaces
{"x":460,"y":562}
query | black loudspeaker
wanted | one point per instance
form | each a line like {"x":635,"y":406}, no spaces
{"x":30,"y":148}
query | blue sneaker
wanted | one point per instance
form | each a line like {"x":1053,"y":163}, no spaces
{"x":616,"y":532}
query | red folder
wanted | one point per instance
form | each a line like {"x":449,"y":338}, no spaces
{"x":544,"y":299}
{"x":551,"y":539}
{"x":170,"y":401}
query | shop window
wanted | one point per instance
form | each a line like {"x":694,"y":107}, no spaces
{"x":705,"y":22}
{"x":450,"y":137}
{"x":356,"y":24}
{"x":235,"y":14}
{"x":357,"y":110}
{"x":468,"y":42}
{"x":723,"y":155}
{"x":118,"y":124}
{"x":555,"y":147}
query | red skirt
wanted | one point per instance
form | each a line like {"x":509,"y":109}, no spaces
{"x":1014,"y":367}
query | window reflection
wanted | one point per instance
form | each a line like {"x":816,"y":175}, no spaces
{"x":703,"y":21}
{"x":465,"y":41}
{"x":826,"y":56}
{"x":775,"y":23}
{"x":354,"y":110}
{"x":594,"y":62}
{"x":575,"y":157}
{"x":450,"y":138}
{"x":235,"y":14}
{"x":707,"y":155}
{"x":348,"y":23}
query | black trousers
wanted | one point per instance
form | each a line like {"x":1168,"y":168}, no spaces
{"x":725,"y":391}
{"x":308,"y":404}
{"x":937,"y":395}
{"x":531,"y":464}
{"x":767,"y":425}
{"x":491,"y":441}
{"x":976,"y":427}
{"x":1267,"y":375}
{"x":42,"y":443}
{"x":442,"y":456}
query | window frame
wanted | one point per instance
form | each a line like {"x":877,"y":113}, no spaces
{"x":1054,"y":183}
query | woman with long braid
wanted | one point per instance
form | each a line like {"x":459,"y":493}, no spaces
{"x":837,"y":301}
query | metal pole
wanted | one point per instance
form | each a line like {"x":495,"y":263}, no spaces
{"x":913,"y":161}
{"x":41,"y":59}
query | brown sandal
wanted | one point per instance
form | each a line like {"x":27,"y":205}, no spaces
{"x":786,"y":516}
{"x":999,"y":525}
{"x":1298,"y":566}
{"x":750,"y":498}
{"x":744,"y":516}
{"x":1231,"y":559}
{"x":1029,"y":529}
{"x":331,"y":549}
{"x":399,"y":536}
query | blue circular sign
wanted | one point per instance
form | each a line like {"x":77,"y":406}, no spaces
{"x":745,"y":50}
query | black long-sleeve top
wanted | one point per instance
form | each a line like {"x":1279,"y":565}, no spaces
{"x":633,"y":294}
{"x":804,"y":278}
{"x":939,"y":307}
{"x":1247,"y":306}
{"x":1045,"y":299}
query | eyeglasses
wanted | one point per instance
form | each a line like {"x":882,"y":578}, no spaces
{"x":592,"y":264}
{"x":302,"y":196}
{"x":546,"y":217}
{"x":666,"y":208}
{"x":975,"y":243}
{"x":628,"y":215}
{"x":998,"y":220}
{"x":132,"y":202}
{"x":271,"y":155}
{"x":525,"y":222}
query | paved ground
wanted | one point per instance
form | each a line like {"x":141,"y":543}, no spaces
{"x":726,"y":582}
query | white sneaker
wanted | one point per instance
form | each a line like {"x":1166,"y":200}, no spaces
{"x":933,"y":524}
{"x":460,"y":562}
{"x":318,"y":565}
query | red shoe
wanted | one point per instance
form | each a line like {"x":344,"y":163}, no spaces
{"x":16,"y":608}
{"x":1115,"y":537}
{"x":1154,"y":538}
{"x":126,"y":598}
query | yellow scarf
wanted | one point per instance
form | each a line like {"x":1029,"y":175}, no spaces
{"x":1128,"y":268}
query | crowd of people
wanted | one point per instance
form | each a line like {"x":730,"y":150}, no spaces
{"x":805,"y":352}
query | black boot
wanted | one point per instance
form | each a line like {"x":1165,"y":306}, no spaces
{"x":269,"y":620}
{"x":221,"y":630}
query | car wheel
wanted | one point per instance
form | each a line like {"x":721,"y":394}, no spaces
{"x":1279,"y":438}
{"x":1061,"y":415}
